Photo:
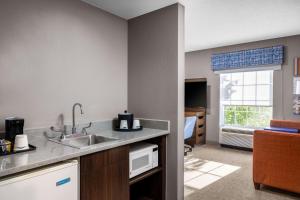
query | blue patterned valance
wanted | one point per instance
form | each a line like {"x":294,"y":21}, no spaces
{"x":253,"y":58}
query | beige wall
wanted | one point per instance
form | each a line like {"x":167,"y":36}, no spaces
{"x":156,"y":80}
{"x":198,"y":65}
{"x":54,"y":53}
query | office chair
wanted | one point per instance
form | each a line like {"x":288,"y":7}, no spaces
{"x":189,"y":126}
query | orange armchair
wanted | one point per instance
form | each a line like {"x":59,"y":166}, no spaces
{"x":276,"y":157}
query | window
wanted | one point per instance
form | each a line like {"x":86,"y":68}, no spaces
{"x":246,"y":99}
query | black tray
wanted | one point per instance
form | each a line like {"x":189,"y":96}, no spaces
{"x":31,"y":148}
{"x":128,"y":130}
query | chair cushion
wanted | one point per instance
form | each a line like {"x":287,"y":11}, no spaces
{"x":189,"y":126}
{"x":279,"y":129}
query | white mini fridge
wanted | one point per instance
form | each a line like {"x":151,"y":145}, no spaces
{"x":58,"y":182}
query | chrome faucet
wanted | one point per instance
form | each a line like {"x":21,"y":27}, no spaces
{"x":73,"y":116}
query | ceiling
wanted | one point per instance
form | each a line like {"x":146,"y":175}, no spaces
{"x":128,"y":9}
{"x":215,"y":23}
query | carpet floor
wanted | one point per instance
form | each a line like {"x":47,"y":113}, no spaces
{"x":216,"y":173}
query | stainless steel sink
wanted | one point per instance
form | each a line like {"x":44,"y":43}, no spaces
{"x":82,"y":141}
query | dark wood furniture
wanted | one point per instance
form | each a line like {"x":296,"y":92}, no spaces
{"x":105,"y":176}
{"x":199,"y":135}
{"x":151,"y":185}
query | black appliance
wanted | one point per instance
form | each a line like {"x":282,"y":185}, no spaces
{"x":126,"y":116}
{"x":13,"y":126}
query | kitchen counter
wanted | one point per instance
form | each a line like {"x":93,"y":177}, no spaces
{"x":49,"y":152}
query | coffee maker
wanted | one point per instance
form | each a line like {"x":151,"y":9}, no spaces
{"x":13,"y":126}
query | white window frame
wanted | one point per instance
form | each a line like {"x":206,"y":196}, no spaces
{"x":222,"y":105}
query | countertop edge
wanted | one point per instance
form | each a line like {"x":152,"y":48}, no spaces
{"x":87,"y":151}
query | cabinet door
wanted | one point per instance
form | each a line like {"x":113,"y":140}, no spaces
{"x":105,"y":175}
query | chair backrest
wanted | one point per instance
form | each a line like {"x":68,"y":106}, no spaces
{"x":285,"y":123}
{"x":189,"y":126}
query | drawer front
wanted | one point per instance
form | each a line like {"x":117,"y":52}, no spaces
{"x":200,"y":135}
{"x":200,"y":121}
{"x":201,"y":130}
{"x":201,"y":114}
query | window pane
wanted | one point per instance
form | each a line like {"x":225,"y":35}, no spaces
{"x":241,"y":115}
{"x":226,"y":92}
{"x":264,"y":77}
{"x":237,"y":78}
{"x":249,"y":78}
{"x":263,"y":117}
{"x":249,"y":93}
{"x":237,"y":93}
{"x":225,"y":77}
{"x":263,"y":92}
{"x":229,"y":115}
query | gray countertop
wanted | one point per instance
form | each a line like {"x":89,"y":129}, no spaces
{"x":49,"y":152}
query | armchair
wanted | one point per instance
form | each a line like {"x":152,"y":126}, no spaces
{"x":276,"y":157}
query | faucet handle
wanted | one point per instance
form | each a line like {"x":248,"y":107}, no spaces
{"x":63,"y":132}
{"x":84,"y":128}
{"x":52,"y":128}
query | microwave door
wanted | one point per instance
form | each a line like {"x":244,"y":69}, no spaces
{"x":140,"y":162}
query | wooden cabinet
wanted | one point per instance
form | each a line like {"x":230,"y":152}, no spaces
{"x":104,"y":175}
{"x":151,"y":185}
{"x":199,"y":135}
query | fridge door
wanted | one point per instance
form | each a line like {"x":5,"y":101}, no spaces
{"x":58,"y":182}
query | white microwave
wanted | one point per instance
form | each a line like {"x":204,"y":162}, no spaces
{"x":142,"y":157}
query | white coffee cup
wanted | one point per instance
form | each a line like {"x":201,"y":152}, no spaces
{"x":136,"y":124}
{"x":123,"y":124}
{"x":21,"y":143}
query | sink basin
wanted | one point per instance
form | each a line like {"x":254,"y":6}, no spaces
{"x":83,"y":141}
